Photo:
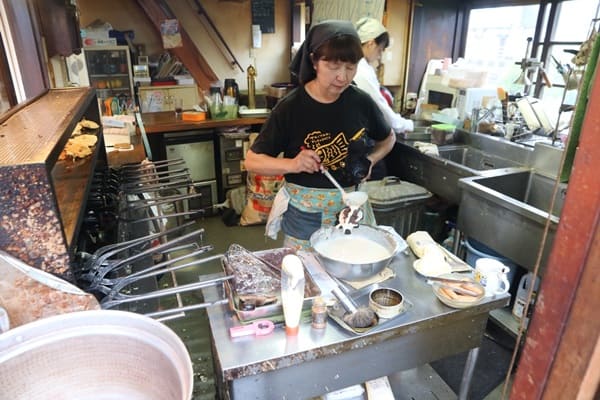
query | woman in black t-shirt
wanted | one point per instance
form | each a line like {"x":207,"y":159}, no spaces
{"x":324,"y":123}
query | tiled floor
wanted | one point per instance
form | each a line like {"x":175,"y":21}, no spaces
{"x":194,"y":327}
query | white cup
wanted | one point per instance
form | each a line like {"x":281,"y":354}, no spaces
{"x":509,"y":130}
{"x":492,"y":275}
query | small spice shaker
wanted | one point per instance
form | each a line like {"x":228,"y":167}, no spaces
{"x":319,"y":313}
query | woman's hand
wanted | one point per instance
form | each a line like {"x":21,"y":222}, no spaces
{"x":307,"y":161}
{"x":263,"y":164}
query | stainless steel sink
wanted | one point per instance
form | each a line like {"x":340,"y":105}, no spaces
{"x":508,"y":211}
{"x":497,"y":149}
{"x":474,"y":158}
{"x":470,"y":155}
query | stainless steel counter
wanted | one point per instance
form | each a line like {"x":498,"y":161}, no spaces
{"x":315,"y":362}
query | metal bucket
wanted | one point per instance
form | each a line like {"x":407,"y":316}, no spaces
{"x":94,"y":355}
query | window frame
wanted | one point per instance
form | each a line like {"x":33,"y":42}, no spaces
{"x":23,"y":31}
{"x":539,"y":45}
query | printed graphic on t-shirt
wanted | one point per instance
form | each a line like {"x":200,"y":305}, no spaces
{"x":332,"y":149}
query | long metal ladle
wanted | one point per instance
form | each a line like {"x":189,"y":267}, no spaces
{"x":352,"y":199}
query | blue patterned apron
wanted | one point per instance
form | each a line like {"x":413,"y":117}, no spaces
{"x":309,"y":209}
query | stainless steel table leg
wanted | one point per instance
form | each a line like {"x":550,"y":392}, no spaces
{"x":465,"y":383}
{"x":456,"y":242}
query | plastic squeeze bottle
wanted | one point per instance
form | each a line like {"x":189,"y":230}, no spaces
{"x":292,"y":292}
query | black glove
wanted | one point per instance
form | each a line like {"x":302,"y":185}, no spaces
{"x":357,"y":164}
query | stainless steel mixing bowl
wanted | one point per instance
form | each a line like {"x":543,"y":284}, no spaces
{"x":354,"y":271}
{"x":93,"y":355}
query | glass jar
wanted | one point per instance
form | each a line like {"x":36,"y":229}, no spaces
{"x":216,"y":103}
{"x":319,"y":313}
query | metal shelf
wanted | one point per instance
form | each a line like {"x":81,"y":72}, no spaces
{"x":504,"y":318}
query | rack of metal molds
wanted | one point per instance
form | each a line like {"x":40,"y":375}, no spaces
{"x":138,"y":230}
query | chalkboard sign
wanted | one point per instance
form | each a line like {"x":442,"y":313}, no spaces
{"x":263,"y":14}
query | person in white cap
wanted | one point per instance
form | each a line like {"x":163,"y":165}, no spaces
{"x":375,"y":39}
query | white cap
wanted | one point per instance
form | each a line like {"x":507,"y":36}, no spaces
{"x":369,"y":28}
{"x":292,"y":265}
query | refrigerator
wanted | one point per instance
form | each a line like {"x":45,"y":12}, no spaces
{"x":109,"y":71}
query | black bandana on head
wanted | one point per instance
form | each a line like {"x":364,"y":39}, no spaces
{"x":302,"y":66}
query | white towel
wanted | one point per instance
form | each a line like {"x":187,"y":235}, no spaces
{"x":280,"y":205}
{"x":427,"y":148}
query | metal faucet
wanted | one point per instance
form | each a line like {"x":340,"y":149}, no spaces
{"x":474,"y":120}
{"x":478,"y":115}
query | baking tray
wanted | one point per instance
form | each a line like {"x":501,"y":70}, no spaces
{"x":273,"y":311}
{"x":361,"y":298}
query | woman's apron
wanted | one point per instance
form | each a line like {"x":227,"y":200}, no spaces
{"x":300,"y":211}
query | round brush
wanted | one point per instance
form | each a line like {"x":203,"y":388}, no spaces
{"x":361,"y":317}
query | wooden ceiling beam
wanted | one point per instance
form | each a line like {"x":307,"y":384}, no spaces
{"x":157,"y":11}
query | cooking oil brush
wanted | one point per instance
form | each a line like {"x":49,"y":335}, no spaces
{"x":361,"y":317}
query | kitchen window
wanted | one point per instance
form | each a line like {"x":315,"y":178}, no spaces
{"x":576,"y":21}
{"x":497,"y":40}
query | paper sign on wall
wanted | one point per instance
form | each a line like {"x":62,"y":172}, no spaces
{"x":256,"y":37}
{"x":153,"y":102}
{"x":171,"y":37}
